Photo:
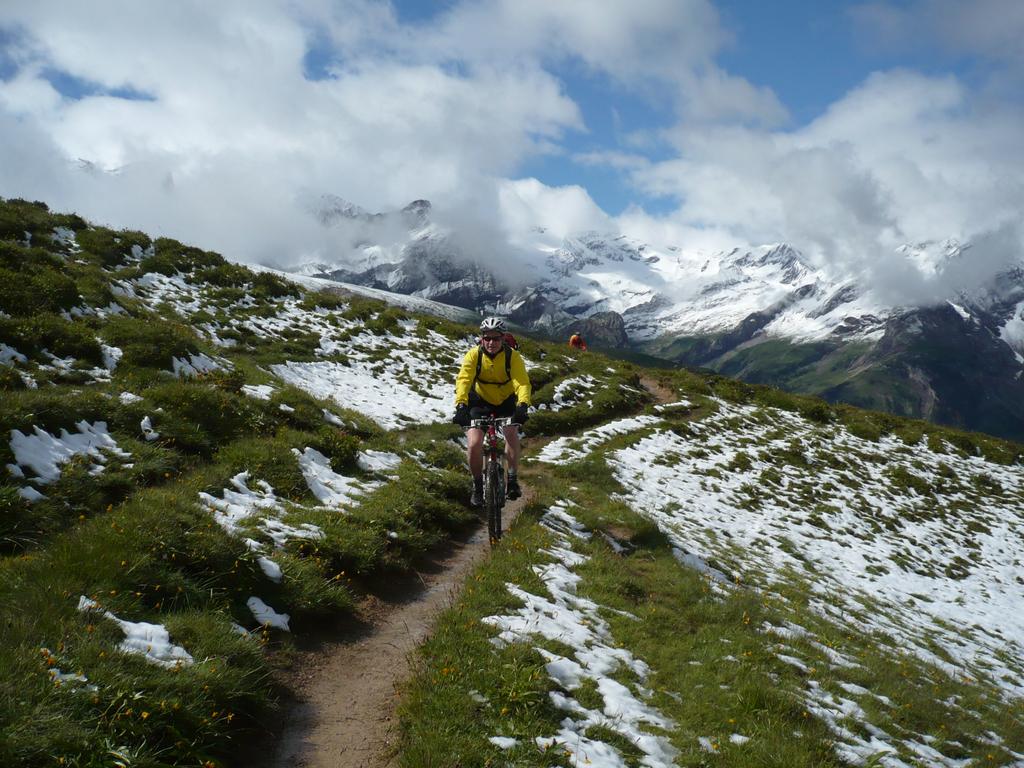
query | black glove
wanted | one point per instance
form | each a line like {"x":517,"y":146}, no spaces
{"x":461,"y":416}
{"x":520,"y":416}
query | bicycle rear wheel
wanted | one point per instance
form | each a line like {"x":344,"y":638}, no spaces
{"x":492,"y":500}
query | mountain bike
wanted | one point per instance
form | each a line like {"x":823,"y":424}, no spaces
{"x":494,"y":471}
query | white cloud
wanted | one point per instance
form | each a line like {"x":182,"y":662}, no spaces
{"x":665,"y":232}
{"x":902,"y":158}
{"x":991,"y":29}
{"x":951,"y":165}
{"x":230,"y":136}
{"x":714,"y":96}
{"x":623,"y":161}
{"x":229,"y":132}
{"x":232,"y":131}
{"x":660,"y":48}
{"x":27,"y":94}
{"x":561,"y":211}
{"x":630,"y":40}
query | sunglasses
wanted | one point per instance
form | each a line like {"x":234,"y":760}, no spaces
{"x":491,"y":338}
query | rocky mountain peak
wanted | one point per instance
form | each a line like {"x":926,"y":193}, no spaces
{"x":782,"y":258}
{"x":330,"y":209}
{"x":417,"y":213}
{"x":931,"y":257}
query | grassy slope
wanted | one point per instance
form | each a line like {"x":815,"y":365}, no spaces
{"x":135,"y":536}
{"x":136,"y":539}
{"x":716,"y":671}
{"x":896,"y":375}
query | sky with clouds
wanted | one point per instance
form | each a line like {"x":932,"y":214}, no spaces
{"x":846,"y":129}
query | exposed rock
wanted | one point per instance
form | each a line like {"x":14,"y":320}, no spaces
{"x":933,"y":363}
{"x":604,"y":329}
{"x":417,"y":213}
{"x":844,"y":295}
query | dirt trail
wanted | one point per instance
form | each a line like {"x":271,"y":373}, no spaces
{"x":661,"y":394}
{"x":346,"y":692}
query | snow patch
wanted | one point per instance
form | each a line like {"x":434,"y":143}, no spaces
{"x":196,"y":365}
{"x":43,"y":453}
{"x":152,"y":641}
{"x":9,"y":355}
{"x":330,"y":488}
{"x":378,"y":461}
{"x":258,"y":391}
{"x":266,"y":615}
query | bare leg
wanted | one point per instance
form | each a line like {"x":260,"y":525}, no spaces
{"x":474,"y":451}
{"x":512,"y":448}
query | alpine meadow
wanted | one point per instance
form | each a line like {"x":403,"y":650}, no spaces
{"x":208,"y":466}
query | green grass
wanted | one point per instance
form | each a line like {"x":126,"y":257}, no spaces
{"x":775,"y":361}
{"x":151,"y":343}
{"x":715,"y":671}
{"x":615,"y":394}
{"x":159,"y":557}
{"x":108,"y":248}
{"x":18,"y":217}
{"x":677,"y":625}
{"x":465,"y":690}
{"x":137,"y":539}
{"x":152,"y":559}
{"x":47,"y":331}
{"x":135,"y":536}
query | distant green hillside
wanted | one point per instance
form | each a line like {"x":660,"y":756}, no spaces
{"x":929,"y":364}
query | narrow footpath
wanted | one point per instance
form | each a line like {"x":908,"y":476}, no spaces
{"x":346,"y":692}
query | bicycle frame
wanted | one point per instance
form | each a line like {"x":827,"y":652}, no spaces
{"x":494,"y":470}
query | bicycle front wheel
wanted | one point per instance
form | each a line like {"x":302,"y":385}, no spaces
{"x":492,"y":500}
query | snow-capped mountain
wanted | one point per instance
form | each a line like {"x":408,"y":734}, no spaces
{"x":658,"y":293}
{"x":371,"y":239}
{"x":762,"y":313}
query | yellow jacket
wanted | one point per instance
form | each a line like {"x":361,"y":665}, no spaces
{"x":493,"y":385}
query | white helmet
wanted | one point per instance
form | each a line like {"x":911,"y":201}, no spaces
{"x":492,"y":324}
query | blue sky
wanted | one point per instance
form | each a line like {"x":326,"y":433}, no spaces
{"x":809,"y":53}
{"x":846,"y":129}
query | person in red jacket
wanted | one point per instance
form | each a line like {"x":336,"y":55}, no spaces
{"x":576,"y":342}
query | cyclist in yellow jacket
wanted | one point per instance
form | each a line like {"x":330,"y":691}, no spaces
{"x":492,"y":379}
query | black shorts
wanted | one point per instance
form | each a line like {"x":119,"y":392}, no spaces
{"x":480,"y":408}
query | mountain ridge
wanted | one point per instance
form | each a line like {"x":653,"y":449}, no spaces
{"x":705,"y":309}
